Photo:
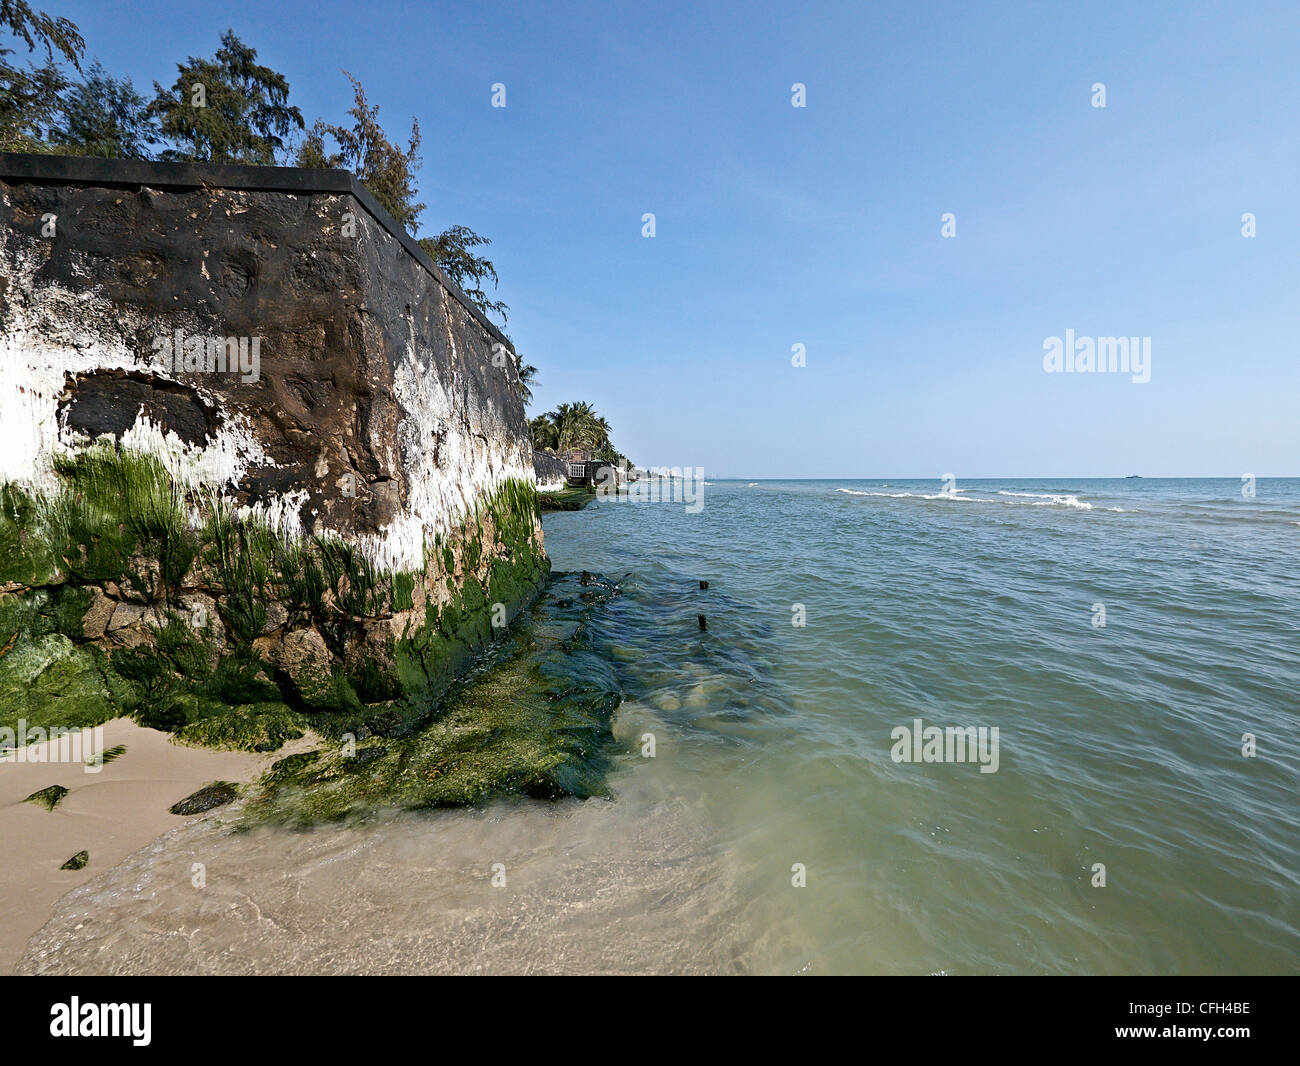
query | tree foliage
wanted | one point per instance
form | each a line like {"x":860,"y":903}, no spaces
{"x":381,"y":166}
{"x":104,"y":116}
{"x":527,"y":379}
{"x":227,"y":109}
{"x":451,"y":250}
{"x":29,"y":96}
{"x":36,"y":27}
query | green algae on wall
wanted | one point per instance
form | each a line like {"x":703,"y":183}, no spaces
{"x":115,"y":599}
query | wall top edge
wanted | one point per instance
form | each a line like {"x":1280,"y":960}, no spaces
{"x":88,"y":170}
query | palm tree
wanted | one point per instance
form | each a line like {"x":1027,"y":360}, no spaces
{"x":577,"y":427}
{"x":546,"y":434}
{"x":527,"y":378}
{"x":562,"y":416}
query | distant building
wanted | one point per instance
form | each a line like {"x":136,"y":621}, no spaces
{"x":582,"y":469}
{"x":577,"y":461}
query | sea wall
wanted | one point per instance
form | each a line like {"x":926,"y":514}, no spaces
{"x":549,"y":469}
{"x":247,"y":425}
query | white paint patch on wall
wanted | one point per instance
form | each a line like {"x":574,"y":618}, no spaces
{"x":280,"y":513}
{"x":456,"y":452}
{"x":55,"y":334}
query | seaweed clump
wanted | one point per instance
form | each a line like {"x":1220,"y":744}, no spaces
{"x":49,"y":798}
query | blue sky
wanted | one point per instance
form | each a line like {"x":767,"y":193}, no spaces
{"x":821,"y":225}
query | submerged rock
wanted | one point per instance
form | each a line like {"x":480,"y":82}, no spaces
{"x":534,"y":720}
{"x":216,"y":794}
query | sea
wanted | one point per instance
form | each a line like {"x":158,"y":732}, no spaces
{"x":1035,"y":726}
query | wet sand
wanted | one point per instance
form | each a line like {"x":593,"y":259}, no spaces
{"x":110,"y":814}
{"x":629,"y":885}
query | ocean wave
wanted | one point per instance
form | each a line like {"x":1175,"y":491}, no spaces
{"x":1033,"y":499}
{"x":1051,"y":498}
{"x":916,"y":495}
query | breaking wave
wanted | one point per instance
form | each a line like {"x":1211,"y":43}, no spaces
{"x":1031,"y":499}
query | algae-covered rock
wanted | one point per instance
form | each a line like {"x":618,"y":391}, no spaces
{"x":304,"y":658}
{"x":49,"y":680}
{"x":566,"y":499}
{"x":203,"y":616}
{"x":285,"y":768}
{"x":535,"y":720}
{"x":247,"y":727}
{"x":217,"y":794}
{"x":133,"y":624}
{"x":77,"y":862}
{"x":276,"y":618}
{"x":49,"y":798}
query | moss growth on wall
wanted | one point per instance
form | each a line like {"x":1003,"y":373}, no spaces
{"x":289,"y":639}
{"x":26,"y":555}
{"x":448,"y":704}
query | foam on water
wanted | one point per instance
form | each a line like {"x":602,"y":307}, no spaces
{"x":1037,"y":499}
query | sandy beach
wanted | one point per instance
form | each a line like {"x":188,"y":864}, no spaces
{"x":110,"y":814}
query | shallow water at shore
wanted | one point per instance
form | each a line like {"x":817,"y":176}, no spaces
{"x":1119,"y":744}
